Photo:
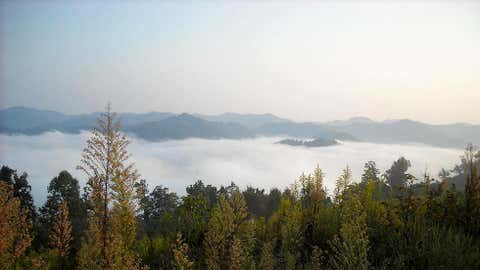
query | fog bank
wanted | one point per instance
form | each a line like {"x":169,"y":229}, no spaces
{"x":176,"y":164}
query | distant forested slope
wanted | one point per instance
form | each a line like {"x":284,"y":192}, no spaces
{"x":165,"y":125}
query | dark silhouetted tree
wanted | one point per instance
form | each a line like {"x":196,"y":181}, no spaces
{"x":397,"y":176}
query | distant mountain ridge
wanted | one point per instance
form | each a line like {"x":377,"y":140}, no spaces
{"x":185,"y":126}
{"x":248,"y":120}
{"x":319,"y":142}
{"x":156,"y":126}
{"x":409,"y":131}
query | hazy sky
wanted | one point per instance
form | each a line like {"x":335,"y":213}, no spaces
{"x":301,"y":60}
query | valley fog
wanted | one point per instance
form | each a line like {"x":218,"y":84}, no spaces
{"x":175,"y":164}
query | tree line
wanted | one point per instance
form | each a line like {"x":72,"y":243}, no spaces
{"x":385,"y":221}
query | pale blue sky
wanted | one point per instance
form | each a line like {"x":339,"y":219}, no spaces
{"x":303,"y":60}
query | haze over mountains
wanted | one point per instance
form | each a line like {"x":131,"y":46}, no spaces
{"x":155,"y":126}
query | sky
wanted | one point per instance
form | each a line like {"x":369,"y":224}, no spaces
{"x":304,"y":60}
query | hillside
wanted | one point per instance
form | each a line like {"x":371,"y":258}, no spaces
{"x":187,"y":126}
{"x":165,"y":125}
{"x":408,"y":131}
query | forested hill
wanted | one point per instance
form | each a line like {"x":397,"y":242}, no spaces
{"x":406,"y":131}
{"x":166,"y":125}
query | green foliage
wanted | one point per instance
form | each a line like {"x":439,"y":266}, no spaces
{"x":229,"y":238}
{"x":370,"y":172}
{"x":342,"y":185}
{"x":21,"y":190}
{"x":267,"y":260}
{"x":288,"y":221}
{"x":63,"y":188}
{"x":112,"y":182}
{"x":350,"y":248}
{"x":180,"y":254}
{"x":397,"y":176}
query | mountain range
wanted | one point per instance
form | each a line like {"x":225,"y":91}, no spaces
{"x":155,"y":126}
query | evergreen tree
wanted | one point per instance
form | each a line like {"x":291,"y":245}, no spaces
{"x":6,"y":175}
{"x":342,"y":184}
{"x":22,"y":190}
{"x":267,"y":261}
{"x":61,"y":235}
{"x":112,"y":224}
{"x":220,"y":227}
{"x":316,"y":259}
{"x":235,"y":260}
{"x":225,"y":239}
{"x":180,"y":254}
{"x":370,"y":172}
{"x":63,"y":188}
{"x":288,"y":225}
{"x":208,"y":193}
{"x":472,"y":191}
{"x":14,"y":227}
{"x":351,"y":247}
{"x":397,"y":176}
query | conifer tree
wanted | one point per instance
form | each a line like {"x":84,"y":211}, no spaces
{"x":472,"y":191}
{"x":22,"y":190}
{"x":112,"y":224}
{"x":351,"y":247}
{"x":290,"y":230}
{"x":14,"y":227}
{"x":246,"y":236}
{"x":227,"y":233}
{"x":342,"y":184}
{"x":61,"y":234}
{"x":267,"y":261}
{"x":370,"y":172}
{"x":235,"y":260}
{"x":318,"y":193}
{"x":316,"y":258}
{"x":220,"y":227}
{"x":180,"y":254}
{"x":63,"y":188}
{"x":397,"y":176}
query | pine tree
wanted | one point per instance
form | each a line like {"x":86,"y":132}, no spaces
{"x":290,"y":261}
{"x":111,"y":194}
{"x":22,"y":190}
{"x":229,"y":237}
{"x":235,"y":260}
{"x":220,"y":227}
{"x":370,"y":172}
{"x":267,"y":261}
{"x":316,"y":258}
{"x":397,"y":176}
{"x":61,"y":234}
{"x":290,"y":230}
{"x":63,"y":188}
{"x":124,"y":223}
{"x":14,"y":227}
{"x":351,"y":247}
{"x":180,"y":254}
{"x":318,"y":193}
{"x":472,"y":191}
{"x":246,"y":236}
{"x":343,"y":182}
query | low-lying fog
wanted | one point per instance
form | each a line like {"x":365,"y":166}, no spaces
{"x":176,"y":164}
